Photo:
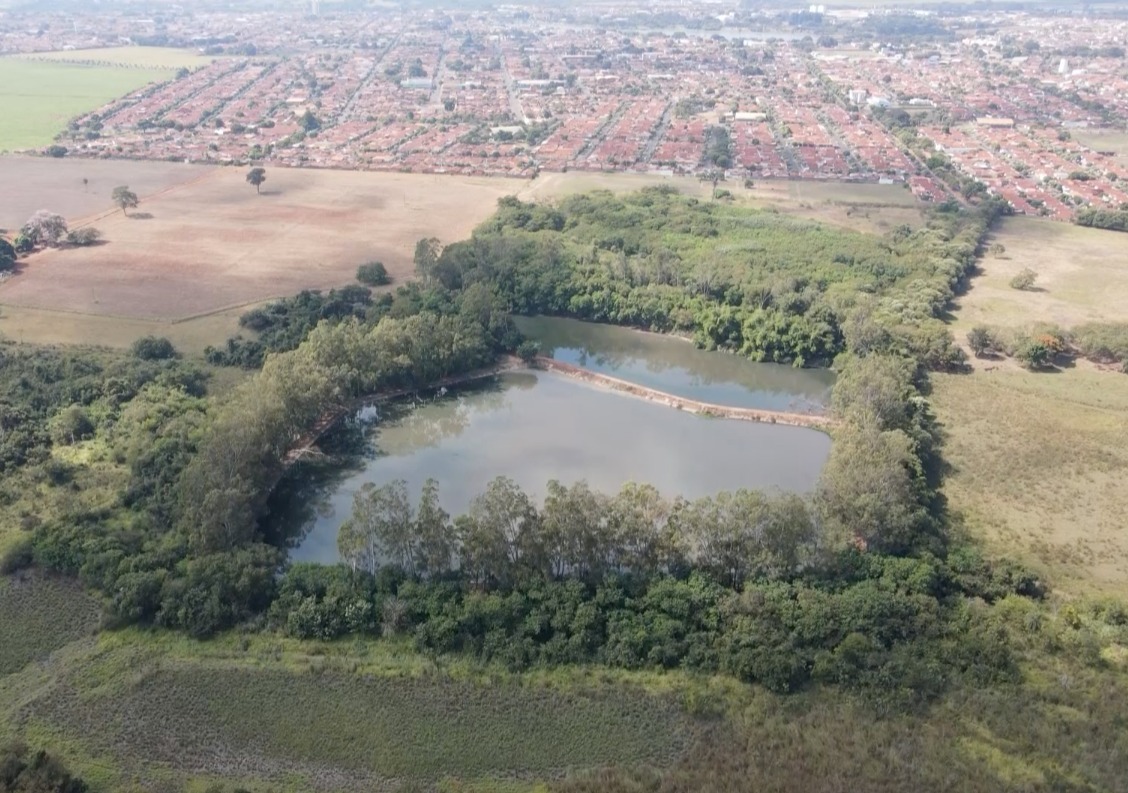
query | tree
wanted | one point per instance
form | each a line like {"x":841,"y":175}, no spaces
{"x":45,"y":227}
{"x":380,"y":529}
{"x":434,"y":533}
{"x":867,"y":493}
{"x":7,"y":255}
{"x":373,"y":274}
{"x":426,"y":257}
{"x":153,"y":348}
{"x":1024,"y":280}
{"x":979,"y":339}
{"x":125,"y":198}
{"x":24,"y":771}
{"x":256,"y":176}
{"x":71,"y":425}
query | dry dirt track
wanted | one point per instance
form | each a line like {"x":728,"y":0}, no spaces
{"x":211,"y":242}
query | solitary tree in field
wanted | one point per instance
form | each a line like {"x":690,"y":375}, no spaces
{"x":257,"y":176}
{"x":125,"y":198}
{"x":1024,"y":280}
{"x":979,"y":339}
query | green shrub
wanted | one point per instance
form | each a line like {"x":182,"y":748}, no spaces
{"x":373,"y":274}
{"x":153,"y":348}
{"x":1024,"y":280}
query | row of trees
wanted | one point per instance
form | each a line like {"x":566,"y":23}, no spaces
{"x":578,"y":533}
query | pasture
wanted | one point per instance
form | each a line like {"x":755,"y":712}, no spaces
{"x":1037,"y":468}
{"x":1038,"y":458}
{"x":1113,"y":140}
{"x":209,"y":244}
{"x":40,"y":97}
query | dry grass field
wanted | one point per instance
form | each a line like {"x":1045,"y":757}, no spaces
{"x":1039,"y":460}
{"x":203,"y":245}
{"x":46,"y":183}
{"x":211,"y":243}
{"x":1082,"y":277}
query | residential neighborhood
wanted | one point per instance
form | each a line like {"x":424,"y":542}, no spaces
{"x":945,"y":104}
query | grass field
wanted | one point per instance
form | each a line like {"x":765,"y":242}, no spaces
{"x":1038,"y":465}
{"x":144,"y":57}
{"x":57,"y":184}
{"x":344,"y":716}
{"x":1038,"y":458}
{"x":39,"y":98}
{"x":38,"y":615}
{"x":144,"y":711}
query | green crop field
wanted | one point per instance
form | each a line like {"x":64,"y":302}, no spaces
{"x":40,"y":98}
{"x":145,"y":57}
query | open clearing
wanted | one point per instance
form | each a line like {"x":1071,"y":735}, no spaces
{"x":212,"y":243}
{"x":1039,"y":459}
{"x":1115,"y":141}
{"x":203,"y":245}
{"x":144,"y":57}
{"x":39,"y":97}
{"x":1039,"y":462}
{"x":1082,"y":277}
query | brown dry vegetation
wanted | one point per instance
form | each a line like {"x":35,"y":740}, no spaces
{"x":213,"y":243}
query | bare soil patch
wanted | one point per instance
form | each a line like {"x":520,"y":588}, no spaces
{"x":213,"y":243}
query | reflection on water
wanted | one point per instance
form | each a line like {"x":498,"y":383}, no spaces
{"x":677,"y":367}
{"x":537,"y":426}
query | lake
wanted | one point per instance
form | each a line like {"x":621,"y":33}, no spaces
{"x":533,"y":426}
{"x":677,"y":367}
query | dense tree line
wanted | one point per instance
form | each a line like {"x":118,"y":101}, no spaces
{"x":283,"y":324}
{"x":1102,"y":219}
{"x":179,"y":545}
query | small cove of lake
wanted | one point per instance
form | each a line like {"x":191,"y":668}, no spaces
{"x":677,"y":367}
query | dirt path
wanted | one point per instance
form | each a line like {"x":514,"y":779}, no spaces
{"x":681,"y":403}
